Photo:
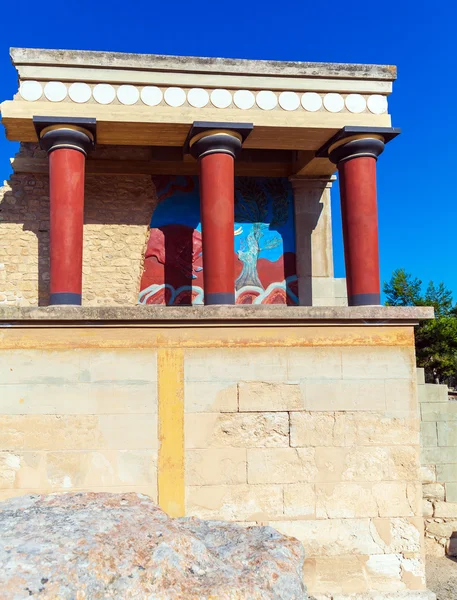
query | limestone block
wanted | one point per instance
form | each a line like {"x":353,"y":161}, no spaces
{"x":420,"y":375}
{"x":451,"y":492}
{"x":446,"y":510}
{"x":447,"y":473}
{"x":441,"y":455}
{"x":312,"y":429}
{"x":78,"y":398}
{"x":378,"y":362}
{"x":39,"y":366}
{"x":331,"y":575}
{"x":429,"y":436}
{"x":236,"y":364}
{"x":348,"y":395}
{"x":375,"y":429}
{"x":210,"y":396}
{"x":447,"y":434}
{"x":137,"y":467}
{"x":392,"y":499}
{"x":78,"y":432}
{"x":427,"y":508}
{"x":384,"y":572}
{"x":281,"y":465}
{"x":352,"y":464}
{"x":215,"y":466}
{"x":439,"y":411}
{"x":300,"y":501}
{"x":264,"y":396}
{"x":442,"y":530}
{"x":436,"y":393}
{"x":239,"y":430}
{"x":345,"y":500}
{"x":331,"y":537}
{"x":433,"y":491}
{"x":23,"y":470}
{"x":123,"y":365}
{"x":313,"y":363}
{"x":405,"y":463}
{"x":433,"y":547}
{"x":401,"y":396}
{"x":413,"y":571}
{"x":405,"y":534}
{"x":235,"y":502}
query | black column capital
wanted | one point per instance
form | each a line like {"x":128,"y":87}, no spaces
{"x":216,"y":138}
{"x":61,"y":132}
{"x":355,"y":141}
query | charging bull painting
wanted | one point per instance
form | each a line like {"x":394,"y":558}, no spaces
{"x":264,"y":243}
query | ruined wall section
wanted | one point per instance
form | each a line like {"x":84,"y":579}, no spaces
{"x":118,"y":211}
{"x":439,"y":467}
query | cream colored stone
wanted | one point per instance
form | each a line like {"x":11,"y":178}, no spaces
{"x":215,"y":466}
{"x":205,"y":430}
{"x":384,"y":572}
{"x":392,"y":500}
{"x":375,"y":429}
{"x":264,"y":396}
{"x":442,"y":530}
{"x":433,"y":548}
{"x":347,"y":395}
{"x":401,"y":397}
{"x":328,"y":576}
{"x":428,"y":474}
{"x":235,"y":502}
{"x":405,"y":535}
{"x":331,"y":537}
{"x":300,"y":500}
{"x":22,"y":470}
{"x":312,"y":429}
{"x":313,"y":363}
{"x":281,"y":465}
{"x":378,"y":362}
{"x":345,"y":500}
{"x":210,"y":396}
{"x":427,"y":508}
{"x":131,"y":365}
{"x":445,"y":510}
{"x":433,"y":491}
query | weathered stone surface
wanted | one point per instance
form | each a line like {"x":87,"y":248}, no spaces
{"x":442,"y":530}
{"x":433,"y":491}
{"x":446,"y":510}
{"x":312,"y":429}
{"x":122,"y":546}
{"x":263,"y":396}
{"x":427,"y":508}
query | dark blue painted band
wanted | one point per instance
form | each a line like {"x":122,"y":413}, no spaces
{"x":364,"y":300}
{"x":220,"y":298}
{"x":65,"y":298}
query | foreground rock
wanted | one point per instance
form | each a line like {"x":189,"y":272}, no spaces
{"x":92,"y":546}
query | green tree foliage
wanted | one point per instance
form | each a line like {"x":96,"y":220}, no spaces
{"x":436,"y":341}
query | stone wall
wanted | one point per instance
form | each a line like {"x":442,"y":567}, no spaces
{"x":439,"y":466}
{"x":311,"y":429}
{"x":118,"y":211}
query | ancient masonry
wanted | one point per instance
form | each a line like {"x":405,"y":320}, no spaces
{"x":274,"y":393}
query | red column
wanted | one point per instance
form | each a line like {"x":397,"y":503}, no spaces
{"x":67,"y":143}
{"x":66,"y":175}
{"x":356,"y":160}
{"x":217,"y":194}
{"x":216,"y":150}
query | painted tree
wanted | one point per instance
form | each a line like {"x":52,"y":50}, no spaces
{"x":251,"y":206}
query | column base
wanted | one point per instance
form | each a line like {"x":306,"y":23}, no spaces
{"x":219,"y":298}
{"x":65,"y":298}
{"x":364,"y":300}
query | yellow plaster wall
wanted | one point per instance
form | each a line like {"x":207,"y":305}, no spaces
{"x":313,"y":430}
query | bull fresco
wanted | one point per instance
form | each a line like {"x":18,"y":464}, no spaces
{"x":264,"y":248}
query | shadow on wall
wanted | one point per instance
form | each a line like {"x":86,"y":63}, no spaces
{"x":264,"y":243}
{"x":109,"y":200}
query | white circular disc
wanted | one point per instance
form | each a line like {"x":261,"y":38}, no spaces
{"x":377,"y":104}
{"x":151,"y":95}
{"x":355,"y":103}
{"x":55,"y":91}
{"x":244,"y":99}
{"x":333,"y":102}
{"x":289,"y":100}
{"x":221,"y":98}
{"x":197,"y":97}
{"x":80,"y":92}
{"x":311,"y":101}
{"x":104,"y":93}
{"x":175,"y":96}
{"x":31,"y":90}
{"x":266,"y":100}
{"x":128,"y":94}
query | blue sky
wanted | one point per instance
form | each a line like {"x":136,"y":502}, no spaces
{"x":416,"y":174}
